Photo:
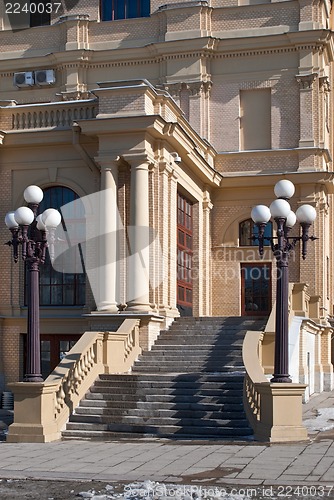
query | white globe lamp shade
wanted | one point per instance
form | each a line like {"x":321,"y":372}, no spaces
{"x":24,"y":216}
{"x":10,"y":220}
{"x":306,"y":214}
{"x":260,"y":214}
{"x":284,"y":189}
{"x":280,"y":209}
{"x":51,"y":218}
{"x":291,"y":219}
{"x":40,"y":223}
{"x":33,"y":194}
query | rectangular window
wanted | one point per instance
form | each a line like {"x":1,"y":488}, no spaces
{"x":111,"y":10}
{"x":255,"y":119}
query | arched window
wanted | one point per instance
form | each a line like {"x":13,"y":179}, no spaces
{"x":247,"y":229}
{"x":111,"y":10}
{"x":64,"y":288}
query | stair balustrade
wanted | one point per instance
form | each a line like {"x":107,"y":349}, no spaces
{"x":41,"y":410}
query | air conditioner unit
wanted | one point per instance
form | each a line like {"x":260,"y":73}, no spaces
{"x":24,"y":79}
{"x":45,"y":77}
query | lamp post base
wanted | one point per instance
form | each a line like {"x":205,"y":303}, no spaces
{"x":31,"y":377}
{"x":281,"y":378}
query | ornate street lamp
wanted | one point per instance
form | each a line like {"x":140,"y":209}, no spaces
{"x":282,"y":245}
{"x":32,"y":233}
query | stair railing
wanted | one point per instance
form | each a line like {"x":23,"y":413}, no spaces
{"x":254,"y":375}
{"x":274,"y":410}
{"x":41,"y":410}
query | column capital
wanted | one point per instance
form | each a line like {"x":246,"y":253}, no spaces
{"x":325,"y":84}
{"x":306,"y":81}
{"x":108,"y":162}
{"x":207,"y":204}
{"x":138,"y":160}
{"x":165,"y":167}
{"x":195,"y":88}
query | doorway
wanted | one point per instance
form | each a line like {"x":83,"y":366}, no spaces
{"x":256,"y":289}
{"x":184,"y":255}
{"x":53,"y":349}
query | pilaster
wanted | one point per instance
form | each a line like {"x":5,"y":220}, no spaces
{"x":167,"y":233}
{"x":306,"y":82}
{"x":207,"y":207}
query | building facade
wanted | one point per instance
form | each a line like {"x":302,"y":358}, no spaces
{"x":185,"y":115}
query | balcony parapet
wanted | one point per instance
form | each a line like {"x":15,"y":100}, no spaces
{"x":54,"y":115}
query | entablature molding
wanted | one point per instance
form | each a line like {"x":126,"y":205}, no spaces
{"x":155,"y":53}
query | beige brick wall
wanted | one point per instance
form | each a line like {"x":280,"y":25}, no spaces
{"x":256,"y":16}
{"x":12,"y":347}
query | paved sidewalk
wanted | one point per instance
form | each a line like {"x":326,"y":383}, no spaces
{"x":188,"y":462}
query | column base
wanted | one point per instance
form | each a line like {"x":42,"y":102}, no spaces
{"x":32,"y":377}
{"x":138,"y":307}
{"x":107,"y":307}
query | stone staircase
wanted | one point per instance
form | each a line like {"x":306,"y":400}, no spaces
{"x":190,"y":385}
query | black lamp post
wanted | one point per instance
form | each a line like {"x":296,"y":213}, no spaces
{"x":32,"y":233}
{"x":282,"y":245}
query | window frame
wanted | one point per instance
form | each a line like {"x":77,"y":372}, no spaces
{"x":117,"y":10}
{"x":252,"y":227}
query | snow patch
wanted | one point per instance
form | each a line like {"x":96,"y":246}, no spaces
{"x":151,"y":490}
{"x":323,"y":421}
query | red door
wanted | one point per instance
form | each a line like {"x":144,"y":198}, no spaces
{"x":184,"y":255}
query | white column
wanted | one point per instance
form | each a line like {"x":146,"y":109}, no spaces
{"x":105,"y":287}
{"x":138,"y":269}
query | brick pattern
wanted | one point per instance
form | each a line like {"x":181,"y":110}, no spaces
{"x":12,"y":346}
{"x":237,"y":18}
{"x":122,"y":104}
{"x":129,"y":29}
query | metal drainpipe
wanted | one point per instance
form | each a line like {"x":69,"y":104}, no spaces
{"x":76,"y":130}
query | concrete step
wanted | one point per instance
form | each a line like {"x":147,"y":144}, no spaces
{"x":110,"y":414}
{"x":119,"y":387}
{"x":161,"y":345}
{"x":202,"y":390}
{"x":161,"y":431}
{"x":145,"y":367}
{"x":229,"y":396}
{"x":172,"y":377}
{"x":120,"y":406}
{"x":158,"y":421}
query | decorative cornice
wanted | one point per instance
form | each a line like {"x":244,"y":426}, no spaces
{"x":306,"y":81}
{"x":210,"y":51}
